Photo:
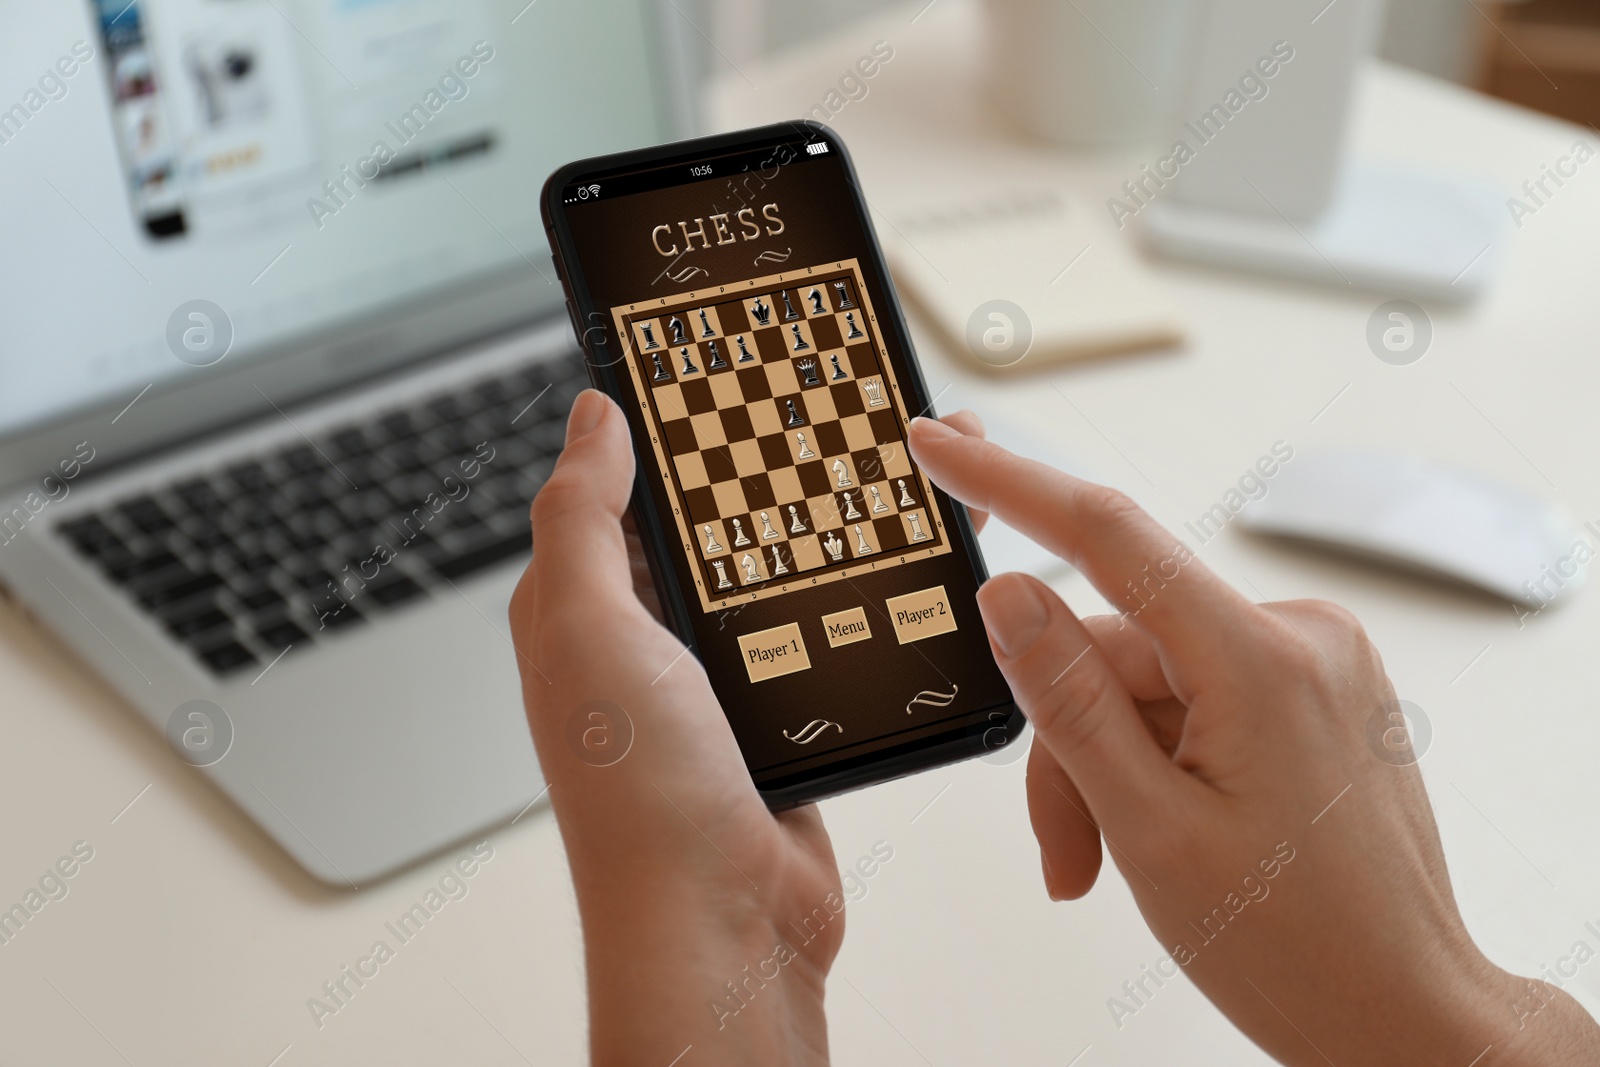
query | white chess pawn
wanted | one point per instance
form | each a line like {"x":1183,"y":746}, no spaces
{"x":862,"y":548}
{"x":850,"y":511}
{"x":843,"y":472}
{"x":877,"y":500}
{"x":795,"y":525}
{"x":805,"y":449}
{"x":917,"y":532}
{"x":749,"y":565}
{"x":834,"y":546}
{"x":712,"y":548}
{"x":722,"y":575}
{"x":739,"y":539}
{"x":905,"y":495}
{"x":777,"y":563}
{"x":767,"y":532}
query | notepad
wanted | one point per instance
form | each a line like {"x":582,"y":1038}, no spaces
{"x":1024,"y":280}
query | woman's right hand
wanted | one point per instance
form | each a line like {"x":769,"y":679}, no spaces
{"x":1221,"y":749}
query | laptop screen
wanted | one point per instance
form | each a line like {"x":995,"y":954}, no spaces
{"x":187,"y":179}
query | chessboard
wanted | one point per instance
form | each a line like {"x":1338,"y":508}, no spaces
{"x":779,"y":428}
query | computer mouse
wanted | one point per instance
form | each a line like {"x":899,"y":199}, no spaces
{"x":1415,"y":514}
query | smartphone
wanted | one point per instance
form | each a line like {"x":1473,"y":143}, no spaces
{"x":729,"y":293}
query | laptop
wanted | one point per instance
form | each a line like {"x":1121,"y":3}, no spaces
{"x":285,"y":361}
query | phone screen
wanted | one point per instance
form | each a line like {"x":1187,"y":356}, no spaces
{"x":752,"y":335}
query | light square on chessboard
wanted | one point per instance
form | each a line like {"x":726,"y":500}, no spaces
{"x":857,"y":432}
{"x":824,"y":512}
{"x":747,"y":458}
{"x":864,"y":531}
{"x":708,"y":432}
{"x":842,"y":322}
{"x":730,"y":498}
{"x":749,"y":304}
{"x":808,"y":554}
{"x":642,"y":344}
{"x":706,"y":531}
{"x":691,"y":470}
{"x":922,"y":520}
{"x":709,"y":327}
{"x":783,"y":379}
{"x":819,"y":406}
{"x":785,"y":482}
{"x":725,"y":390}
{"x":669,"y":401}
{"x":811,"y":309}
{"x":885,"y":494}
{"x":764,"y":417}
{"x":897,"y":465}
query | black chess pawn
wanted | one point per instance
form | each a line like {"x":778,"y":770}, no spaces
{"x":855,"y":331}
{"x":817,"y":306}
{"x":661,"y":374}
{"x":678,"y":336}
{"x":650,"y":336}
{"x":717,"y":362}
{"x":844,"y":295}
{"x":705,"y":325}
{"x":688,"y":364}
{"x":795,"y":418}
{"x":800,"y":344}
{"x":745,"y":355}
{"x":808,"y":367}
{"x":763,"y":313}
{"x":838,"y":372}
{"x":788,"y":309}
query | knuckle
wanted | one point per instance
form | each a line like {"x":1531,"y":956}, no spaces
{"x":1110,"y":507}
{"x":559,"y":499}
{"x":1069,"y":709}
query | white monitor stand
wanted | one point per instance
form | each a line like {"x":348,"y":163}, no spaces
{"x":1267,"y":185}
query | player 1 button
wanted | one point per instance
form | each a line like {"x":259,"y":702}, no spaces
{"x":775,"y":652}
{"x":925,"y":613}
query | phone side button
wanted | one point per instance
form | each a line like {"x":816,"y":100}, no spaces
{"x":846,"y":627}
{"x":775,"y":652}
{"x":925,"y":613}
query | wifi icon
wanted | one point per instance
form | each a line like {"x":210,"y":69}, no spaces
{"x":587,"y":191}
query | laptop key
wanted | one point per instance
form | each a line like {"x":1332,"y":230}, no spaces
{"x":196,"y":623}
{"x":396,"y":590}
{"x":189,"y":586}
{"x":228,"y":657}
{"x":261,"y":599}
{"x":484,"y":555}
{"x":281,"y":634}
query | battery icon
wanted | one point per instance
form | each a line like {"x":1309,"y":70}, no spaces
{"x":817,"y":148}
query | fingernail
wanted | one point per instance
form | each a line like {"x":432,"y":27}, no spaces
{"x":587,"y":411}
{"x":1015,"y":614}
{"x":1049,"y":877}
{"x":933,"y":428}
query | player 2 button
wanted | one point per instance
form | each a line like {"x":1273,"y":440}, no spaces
{"x":775,"y":652}
{"x":925,"y":613}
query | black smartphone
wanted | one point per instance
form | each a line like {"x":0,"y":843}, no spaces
{"x":730,"y":294}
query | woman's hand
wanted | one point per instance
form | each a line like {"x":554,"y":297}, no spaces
{"x":1221,"y":749}
{"x":707,"y":920}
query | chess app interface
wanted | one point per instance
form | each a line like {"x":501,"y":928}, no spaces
{"x":738,"y":309}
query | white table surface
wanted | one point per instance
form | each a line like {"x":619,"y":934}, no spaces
{"x":189,"y":939}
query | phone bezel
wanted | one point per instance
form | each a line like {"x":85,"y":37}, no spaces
{"x":849,"y":773}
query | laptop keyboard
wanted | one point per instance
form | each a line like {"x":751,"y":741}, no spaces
{"x":246,"y":561}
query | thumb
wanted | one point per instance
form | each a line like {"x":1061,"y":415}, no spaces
{"x":1082,"y":711}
